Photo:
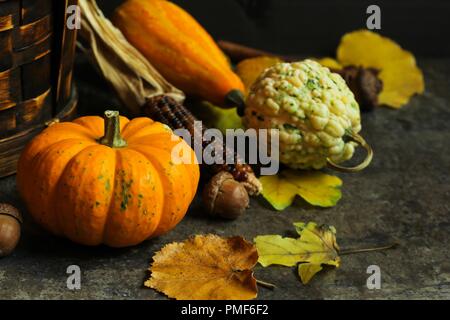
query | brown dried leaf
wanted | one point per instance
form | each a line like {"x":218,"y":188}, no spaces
{"x":205,"y":268}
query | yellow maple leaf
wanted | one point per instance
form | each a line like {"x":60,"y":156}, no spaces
{"x":316,"y":246}
{"x":315,"y":187}
{"x":205,"y":268}
{"x":398,"y":70}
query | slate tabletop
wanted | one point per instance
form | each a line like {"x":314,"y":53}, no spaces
{"x":403,"y":197}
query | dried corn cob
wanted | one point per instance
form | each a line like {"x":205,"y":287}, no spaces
{"x":164,"y":109}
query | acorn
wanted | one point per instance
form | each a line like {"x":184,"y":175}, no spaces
{"x":223,"y":196}
{"x":10,"y":224}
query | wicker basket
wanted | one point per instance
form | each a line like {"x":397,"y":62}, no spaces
{"x":36,"y":59}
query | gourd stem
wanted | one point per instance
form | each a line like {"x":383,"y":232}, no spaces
{"x":235,"y":98}
{"x":112,"y":137}
{"x":360,"y":140}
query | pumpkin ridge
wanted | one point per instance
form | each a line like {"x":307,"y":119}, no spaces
{"x":48,"y":150}
{"x":160,"y":178}
{"x":94,"y":124}
{"x":147,"y":136}
{"x":163,"y":179}
{"x":135,"y":144}
{"x":112,"y":186}
{"x":158,"y":148}
{"x":126,"y":216}
{"x":75,"y":140}
{"x":136,"y":125}
{"x":190,"y":168}
{"x":91,"y":134}
{"x":109,"y":189}
{"x":125,"y":127}
{"x":169,"y":186}
{"x":85,"y":135}
{"x":82,"y":178}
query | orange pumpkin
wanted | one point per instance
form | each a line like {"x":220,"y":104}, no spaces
{"x":109,"y":181}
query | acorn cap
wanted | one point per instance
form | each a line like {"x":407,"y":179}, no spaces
{"x":9,"y":210}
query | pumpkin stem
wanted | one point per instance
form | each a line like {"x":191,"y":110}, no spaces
{"x":112,"y":137}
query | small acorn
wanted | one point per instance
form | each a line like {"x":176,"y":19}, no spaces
{"x":10,"y":223}
{"x":225,"y":197}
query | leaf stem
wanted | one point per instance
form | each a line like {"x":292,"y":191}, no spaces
{"x":265,"y":284}
{"x":351,"y":251}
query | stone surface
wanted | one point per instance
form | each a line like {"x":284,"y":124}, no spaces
{"x":403,"y":196}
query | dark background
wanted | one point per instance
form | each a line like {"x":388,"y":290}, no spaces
{"x":402,"y":196}
{"x":315,"y":26}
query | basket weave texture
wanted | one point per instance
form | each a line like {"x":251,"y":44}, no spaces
{"x":36,"y":59}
